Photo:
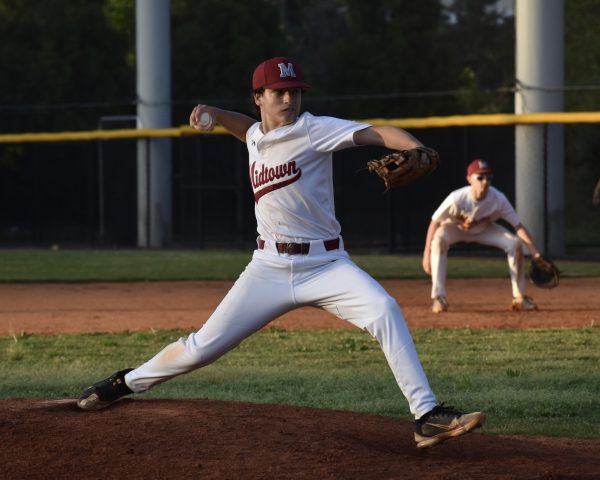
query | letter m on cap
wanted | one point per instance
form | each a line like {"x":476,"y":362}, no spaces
{"x":286,"y":70}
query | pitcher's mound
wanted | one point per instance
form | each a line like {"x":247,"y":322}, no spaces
{"x":205,"y":439}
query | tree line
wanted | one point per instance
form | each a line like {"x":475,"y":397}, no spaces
{"x":67,"y":62}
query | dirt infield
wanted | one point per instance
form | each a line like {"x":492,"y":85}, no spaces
{"x":106,"y":307}
{"x":204,"y":439}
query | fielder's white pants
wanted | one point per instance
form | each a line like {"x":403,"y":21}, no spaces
{"x":493,"y":235}
{"x":273,"y":284}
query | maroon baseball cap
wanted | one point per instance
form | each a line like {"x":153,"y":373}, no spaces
{"x":278,"y":72}
{"x":478,"y":166}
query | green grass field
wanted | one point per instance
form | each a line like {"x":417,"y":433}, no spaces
{"x":543,"y":382}
{"x":167,"y":265}
{"x":530,"y":382}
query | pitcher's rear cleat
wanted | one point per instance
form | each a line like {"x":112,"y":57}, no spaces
{"x":443,"y":423}
{"x":105,"y":392}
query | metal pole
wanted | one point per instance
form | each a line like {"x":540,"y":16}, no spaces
{"x":539,"y":169}
{"x":153,"y":56}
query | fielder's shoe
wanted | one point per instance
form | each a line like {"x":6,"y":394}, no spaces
{"x":439,"y":305}
{"x":525,"y":303}
{"x":443,"y":423}
{"x":105,"y":392}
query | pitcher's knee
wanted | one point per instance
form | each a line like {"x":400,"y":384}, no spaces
{"x":519,"y":255}
{"x":387,"y":313}
{"x":388,"y":323}
{"x":513,"y":247}
{"x":386,"y":303}
{"x":439,"y":244}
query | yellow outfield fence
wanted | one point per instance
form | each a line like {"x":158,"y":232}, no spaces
{"x":407,"y":123}
{"x":497,"y":119}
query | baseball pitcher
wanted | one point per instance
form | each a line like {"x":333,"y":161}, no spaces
{"x":300,"y":258}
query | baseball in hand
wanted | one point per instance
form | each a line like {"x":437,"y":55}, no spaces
{"x":205,"y":120}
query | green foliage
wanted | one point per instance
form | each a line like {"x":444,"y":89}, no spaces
{"x":84,"y":51}
{"x":217,"y":43}
{"x":534,"y":382}
{"x":582,"y":168}
{"x":382,"y":58}
{"x":62,"y":51}
{"x":120,"y":15}
{"x":70,"y":52}
{"x":582,"y":49}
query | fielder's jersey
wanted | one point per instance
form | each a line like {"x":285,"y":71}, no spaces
{"x":460,"y":203}
{"x":291,"y":175}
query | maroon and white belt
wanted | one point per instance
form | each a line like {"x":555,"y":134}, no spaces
{"x":300,"y":248}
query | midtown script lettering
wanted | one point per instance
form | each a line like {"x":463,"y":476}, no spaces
{"x":265,"y":179}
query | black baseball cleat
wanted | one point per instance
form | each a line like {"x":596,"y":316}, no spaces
{"x":443,"y":423}
{"x":107,"y":391}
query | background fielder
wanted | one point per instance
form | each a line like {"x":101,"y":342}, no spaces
{"x":300,"y":258}
{"x":469,"y":215}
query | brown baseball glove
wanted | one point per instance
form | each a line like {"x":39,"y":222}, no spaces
{"x":543,"y":273}
{"x":404,"y":167}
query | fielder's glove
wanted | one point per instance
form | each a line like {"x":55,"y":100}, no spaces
{"x":543,"y":273}
{"x":404,"y":167}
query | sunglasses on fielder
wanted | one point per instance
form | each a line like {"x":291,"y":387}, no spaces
{"x":481,"y":178}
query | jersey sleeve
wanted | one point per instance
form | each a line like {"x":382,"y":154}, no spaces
{"x":507,"y":212}
{"x":251,"y":132}
{"x":329,"y":134}
{"x":443,"y":211}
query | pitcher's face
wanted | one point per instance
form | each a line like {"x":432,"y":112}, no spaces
{"x":279,"y":107}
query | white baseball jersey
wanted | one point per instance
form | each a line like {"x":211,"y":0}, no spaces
{"x":291,"y":175}
{"x":460,"y":203}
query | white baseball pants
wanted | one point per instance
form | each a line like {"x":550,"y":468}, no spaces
{"x":273,"y":284}
{"x":493,"y":235}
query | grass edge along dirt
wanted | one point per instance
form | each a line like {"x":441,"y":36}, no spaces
{"x":530,"y":382}
{"x":22,"y":266}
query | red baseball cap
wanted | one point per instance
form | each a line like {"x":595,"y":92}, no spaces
{"x":478,"y":166}
{"x":278,"y":72}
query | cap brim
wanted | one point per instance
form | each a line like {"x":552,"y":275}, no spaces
{"x":287,"y":84}
{"x":482,"y":172}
